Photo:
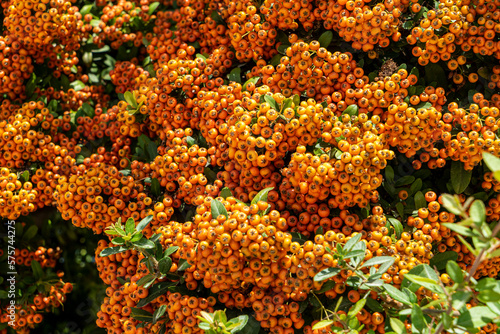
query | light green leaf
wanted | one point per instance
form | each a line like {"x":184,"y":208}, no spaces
{"x":130,"y":99}
{"x":322,"y":324}
{"x":351,"y":242}
{"x":491,"y":161}
{"x":427,"y":283}
{"x":326,"y":274}
{"x":351,"y":110}
{"x":160,"y":311}
{"x":396,"y":294}
{"x":130,"y":225}
{"x":459,"y":229}
{"x":261,"y":195}
{"x":217,"y":209}
{"x":396,"y":224}
{"x":397,"y":325}
{"x":477,"y":212}
{"x":418,"y":322}
{"x":475,"y":317}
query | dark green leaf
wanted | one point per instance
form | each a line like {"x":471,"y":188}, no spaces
{"x":141,"y":315}
{"x":396,"y":224}
{"x":183,"y":265}
{"x":235,"y":75}
{"x":441,"y":259}
{"x":460,"y":178}
{"x":389,"y":174}
{"x":155,"y":187}
{"x":143,"y":223}
{"x":325,"y":39}
{"x":37,"y":270}
{"x":30,"y":233}
{"x":160,"y":311}
{"x":252,"y":326}
{"x":164,"y":265}
{"x":154,"y":292}
{"x":420,"y":201}
{"x":112,"y":250}
{"x":146,"y":280}
{"x":404,"y":181}
{"x":418,"y":322}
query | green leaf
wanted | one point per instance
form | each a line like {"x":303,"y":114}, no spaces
{"x":415,"y":186}
{"x":25,"y":176}
{"x":389,"y":174}
{"x":396,"y":224}
{"x":130,"y":225}
{"x":460,"y":178}
{"x":252,"y":80}
{"x":155,"y":187}
{"x":404,"y":181}
{"x":351,"y":242}
{"x":130,"y":99}
{"x":322,"y":324}
{"x":217,"y":209}
{"x":3,"y":294}
{"x":420,"y":201}
{"x":225,"y":193}
{"x":30,"y":233}
{"x":261,"y":195}
{"x":422,"y":270}
{"x":183,"y":265}
{"x":435,"y":72}
{"x":491,"y":161}
{"x":145,"y":243}
{"x":137,"y":236}
{"x":475,"y":317}
{"x":143,"y":281}
{"x":152,"y":7}
{"x":118,"y":240}
{"x":452,"y":204}
{"x":454,"y":270}
{"x":418,"y":322}
{"x":486,"y":296}
{"x":252,"y":326}
{"x":326,"y":274}
{"x":112,"y":250}
{"x":37,"y":270}
{"x":77,"y":85}
{"x":427,"y":283}
{"x":154,"y":292}
{"x":143,"y":223}
{"x":272,"y":102}
{"x":170,"y":250}
{"x":351,"y":110}
{"x":164,"y":265}
{"x":235,"y":75}
{"x":356,"y":308}
{"x":159,"y":313}
{"x":202,"y":57}
{"x":477,"y":212}
{"x":236,"y":324}
{"x":141,"y":315}
{"x":396,"y":294}
{"x":441,"y":259}
{"x":397,"y":325}
{"x":373,"y":305}
{"x":384,"y":261}
{"x":462,"y":230}
{"x":325,"y":39}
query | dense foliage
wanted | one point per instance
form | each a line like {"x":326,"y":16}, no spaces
{"x":274,"y":166}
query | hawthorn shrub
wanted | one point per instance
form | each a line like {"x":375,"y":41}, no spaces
{"x":251,"y":166}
